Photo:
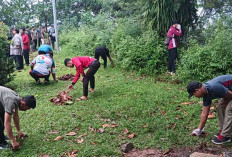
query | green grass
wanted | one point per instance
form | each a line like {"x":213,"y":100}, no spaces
{"x":121,"y":97}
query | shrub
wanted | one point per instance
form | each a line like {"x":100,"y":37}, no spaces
{"x":6,"y":63}
{"x":210,"y":60}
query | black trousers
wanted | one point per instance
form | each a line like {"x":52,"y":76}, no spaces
{"x":103,"y":56}
{"x":39,"y":41}
{"x":36,"y":77}
{"x":26,"y":56}
{"x":2,"y":114}
{"x":18,"y":61}
{"x":172,"y":56}
{"x":35,"y":44}
{"x":89,"y":77}
{"x":53,"y":39}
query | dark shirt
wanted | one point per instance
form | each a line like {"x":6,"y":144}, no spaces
{"x":217,"y":88}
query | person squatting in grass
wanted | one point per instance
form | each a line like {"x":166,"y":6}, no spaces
{"x":173,"y":32}
{"x":219,"y":87}
{"x":82,"y":63}
{"x":42,"y":63}
{"x":10,"y":103}
{"x":104,"y":53}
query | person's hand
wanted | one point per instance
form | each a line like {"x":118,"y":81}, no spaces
{"x":112,"y":65}
{"x":82,"y":79}
{"x":197,"y":132}
{"x":21,"y":135}
{"x":15,"y":145}
{"x":56,"y":80}
{"x":178,"y":26}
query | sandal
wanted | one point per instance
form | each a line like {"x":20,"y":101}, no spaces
{"x":79,"y":99}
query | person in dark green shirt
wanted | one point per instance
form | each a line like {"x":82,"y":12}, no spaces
{"x":10,"y":103}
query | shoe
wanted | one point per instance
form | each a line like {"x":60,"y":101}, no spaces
{"x":5,"y":146}
{"x":6,"y":138}
{"x":221,"y":140}
{"x":217,"y":134}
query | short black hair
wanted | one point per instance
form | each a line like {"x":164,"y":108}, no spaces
{"x":27,"y":27}
{"x":175,"y":22}
{"x":16,"y":30}
{"x":23,"y":28}
{"x":30,"y":101}
{"x":41,"y":52}
{"x":66,"y":61}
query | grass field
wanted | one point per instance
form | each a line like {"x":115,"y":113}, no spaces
{"x":150,"y":109}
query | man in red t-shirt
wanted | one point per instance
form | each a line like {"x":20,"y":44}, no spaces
{"x":26,"y":45}
{"x":82,"y":63}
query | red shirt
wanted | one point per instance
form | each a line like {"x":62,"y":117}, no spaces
{"x":81,"y":63}
{"x":173,"y":31}
{"x":26,"y":44}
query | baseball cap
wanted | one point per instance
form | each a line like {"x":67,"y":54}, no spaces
{"x":192,"y":86}
{"x":45,"y":48}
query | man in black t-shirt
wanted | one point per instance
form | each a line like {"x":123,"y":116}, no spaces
{"x":104,"y":53}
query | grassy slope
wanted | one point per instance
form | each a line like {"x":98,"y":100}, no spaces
{"x":121,"y":98}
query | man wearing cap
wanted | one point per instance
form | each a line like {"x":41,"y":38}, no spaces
{"x":42,"y":63}
{"x":26,"y":45}
{"x":219,"y":87}
{"x":173,"y":32}
{"x":10,"y":103}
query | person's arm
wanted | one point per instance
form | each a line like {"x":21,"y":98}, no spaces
{"x":53,"y":70}
{"x":204,"y":116}
{"x":25,"y":39}
{"x":32,"y":36}
{"x":16,"y":122}
{"x":8,"y":127}
{"x":112,"y":62}
{"x":177,"y":32}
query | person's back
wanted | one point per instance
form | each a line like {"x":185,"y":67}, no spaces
{"x":43,"y":64}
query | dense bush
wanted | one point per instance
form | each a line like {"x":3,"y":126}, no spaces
{"x":6,"y":63}
{"x":210,"y":60}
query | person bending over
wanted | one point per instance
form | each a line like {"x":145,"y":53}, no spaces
{"x":82,"y":63}
{"x":10,"y":103}
{"x":104,"y":53}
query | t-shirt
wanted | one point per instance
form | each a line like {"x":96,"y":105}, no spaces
{"x":34,"y":34}
{"x":43,"y":63}
{"x":51,"y":32}
{"x":217,"y":88}
{"x":28,"y":32}
{"x":102,"y":51}
{"x":9,"y":100}
{"x":39,"y":32}
{"x":26,"y":43}
{"x":17,"y":45}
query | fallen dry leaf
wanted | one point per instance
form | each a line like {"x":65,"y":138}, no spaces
{"x":101,"y":130}
{"x":211,"y":115}
{"x":58,"y":138}
{"x":145,"y":125}
{"x":53,"y":132}
{"x":163,"y":112}
{"x":185,"y":113}
{"x":67,"y":77}
{"x":131,"y":135}
{"x":105,"y":125}
{"x":152,"y":114}
{"x":187,"y":103}
{"x":114,"y":125}
{"x":45,"y":155}
{"x":71,"y":134}
{"x":121,"y":137}
{"x":80,"y":140}
{"x":92,"y":129}
{"x":126,"y":131}
{"x":62,"y":98}
{"x":81,"y":136}
{"x":74,"y":152}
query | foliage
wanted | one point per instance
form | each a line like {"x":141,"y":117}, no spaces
{"x":6,"y":63}
{"x":161,"y":13}
{"x":203,"y":62}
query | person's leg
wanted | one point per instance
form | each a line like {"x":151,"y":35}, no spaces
{"x":16,"y":62}
{"x":46,"y":78}
{"x":26,"y":56}
{"x":35,"y":44}
{"x":94,"y":66}
{"x":227,"y":125}
{"x":221,"y":115}
{"x":174,"y":57}
{"x":169,"y":60}
{"x":39,"y":41}
{"x":104,"y":57}
{"x":2,"y":137}
{"x":53,"y":42}
{"x":20,"y":59}
{"x":97,"y":55}
{"x":34,"y":76}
